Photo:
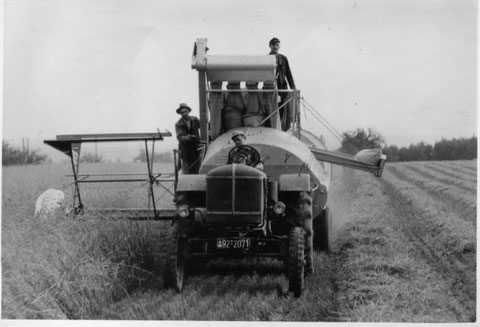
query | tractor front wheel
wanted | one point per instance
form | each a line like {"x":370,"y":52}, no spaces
{"x":296,"y":261}
{"x":173,"y":271}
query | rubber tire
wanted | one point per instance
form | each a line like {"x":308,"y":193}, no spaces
{"x":305,"y":210}
{"x":296,"y":261}
{"x":173,"y":272}
{"x":322,"y":227}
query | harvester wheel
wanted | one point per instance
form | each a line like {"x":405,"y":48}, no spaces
{"x":306,"y":218}
{"x":322,"y":227}
{"x":175,"y":259}
{"x":296,"y":261}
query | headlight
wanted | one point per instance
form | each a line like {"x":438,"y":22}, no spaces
{"x":183,"y":210}
{"x":279,"y":208}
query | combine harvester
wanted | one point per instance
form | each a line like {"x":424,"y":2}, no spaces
{"x":233,"y":210}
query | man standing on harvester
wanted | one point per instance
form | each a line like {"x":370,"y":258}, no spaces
{"x":283,"y":76}
{"x":188,"y":136}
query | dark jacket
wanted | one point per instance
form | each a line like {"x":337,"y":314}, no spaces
{"x":188,"y":147}
{"x":284,"y":73}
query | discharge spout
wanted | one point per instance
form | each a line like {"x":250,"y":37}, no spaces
{"x":371,"y":160}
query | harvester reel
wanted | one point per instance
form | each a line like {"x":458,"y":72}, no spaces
{"x":245,"y":153}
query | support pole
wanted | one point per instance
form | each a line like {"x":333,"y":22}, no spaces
{"x":202,"y":92}
{"x":151,"y":179}
{"x":176,"y":164}
{"x":77,"y":209}
{"x":296,"y":102}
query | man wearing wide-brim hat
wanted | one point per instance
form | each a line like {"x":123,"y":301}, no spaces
{"x":188,"y":136}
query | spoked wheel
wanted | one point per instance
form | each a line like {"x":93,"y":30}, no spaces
{"x":173,"y":272}
{"x":296,"y":261}
{"x":322,"y":226}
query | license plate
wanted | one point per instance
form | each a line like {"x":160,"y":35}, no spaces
{"x":237,"y":243}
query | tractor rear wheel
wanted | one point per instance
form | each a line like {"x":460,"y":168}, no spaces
{"x":322,"y":227}
{"x":296,"y":261}
{"x":173,"y":271}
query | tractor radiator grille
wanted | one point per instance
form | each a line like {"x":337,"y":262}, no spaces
{"x":235,"y":199}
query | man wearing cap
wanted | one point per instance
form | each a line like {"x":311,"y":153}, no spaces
{"x":244,"y":155}
{"x":188,"y":136}
{"x":284,"y":75}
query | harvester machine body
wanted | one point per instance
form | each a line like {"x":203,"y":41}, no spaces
{"x":286,"y":152}
{"x":267,"y":198}
{"x":236,"y":208}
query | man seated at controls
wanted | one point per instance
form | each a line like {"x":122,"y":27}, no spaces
{"x":244,"y":154}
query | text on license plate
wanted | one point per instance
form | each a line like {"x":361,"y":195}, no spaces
{"x":238,"y":243}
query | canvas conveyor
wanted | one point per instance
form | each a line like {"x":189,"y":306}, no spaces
{"x":71,"y":146}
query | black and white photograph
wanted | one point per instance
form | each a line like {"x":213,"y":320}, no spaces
{"x":233,"y":162}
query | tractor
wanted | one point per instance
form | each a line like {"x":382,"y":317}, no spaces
{"x":235,"y":210}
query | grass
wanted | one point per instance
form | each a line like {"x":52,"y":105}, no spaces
{"x":445,"y":194}
{"x":68,"y":269}
{"x":65,"y":268}
{"x":443,"y":223}
{"x":468,"y":167}
{"x":402,"y":257}
{"x":92,"y":269}
{"x":444,"y":176}
{"x":379,"y":269}
{"x":232,"y":290}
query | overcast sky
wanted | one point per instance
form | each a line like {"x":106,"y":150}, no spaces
{"x":406,"y":68}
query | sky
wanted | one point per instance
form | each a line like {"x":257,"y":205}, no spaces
{"x":406,"y":68}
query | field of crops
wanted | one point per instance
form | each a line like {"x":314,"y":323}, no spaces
{"x":404,"y":251}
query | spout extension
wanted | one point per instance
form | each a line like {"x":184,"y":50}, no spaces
{"x":374,"y":157}
{"x":371,"y":160}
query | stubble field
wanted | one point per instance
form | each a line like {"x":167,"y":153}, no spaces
{"x":404,"y":251}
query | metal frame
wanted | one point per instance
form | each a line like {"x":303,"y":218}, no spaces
{"x":71,"y":146}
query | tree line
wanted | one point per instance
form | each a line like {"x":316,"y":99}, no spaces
{"x":15,"y":156}
{"x":454,"y":149}
{"x":352,"y":142}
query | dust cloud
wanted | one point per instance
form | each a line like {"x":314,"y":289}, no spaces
{"x":343,"y":188}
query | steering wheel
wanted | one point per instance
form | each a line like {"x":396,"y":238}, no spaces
{"x":244,"y":154}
